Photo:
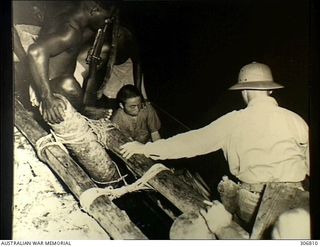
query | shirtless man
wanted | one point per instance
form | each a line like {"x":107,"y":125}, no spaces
{"x":53,"y":56}
{"x":25,"y":15}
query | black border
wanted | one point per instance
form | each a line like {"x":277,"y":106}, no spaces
{"x":6,"y":174}
{"x":314,"y":118}
{"x":6,"y":118}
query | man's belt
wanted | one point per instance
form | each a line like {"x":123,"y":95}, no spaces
{"x":258,"y":187}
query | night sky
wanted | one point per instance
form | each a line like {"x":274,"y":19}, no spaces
{"x":192,"y":52}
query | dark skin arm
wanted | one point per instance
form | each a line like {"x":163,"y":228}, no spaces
{"x":126,"y":48}
{"x":21,"y":54}
{"x":39,"y":55}
{"x":90,"y":85}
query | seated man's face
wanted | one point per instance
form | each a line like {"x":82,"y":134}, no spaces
{"x":132,"y":106}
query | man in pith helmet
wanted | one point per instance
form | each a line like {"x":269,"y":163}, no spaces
{"x":263,"y":143}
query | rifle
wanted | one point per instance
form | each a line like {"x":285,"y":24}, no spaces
{"x":112,"y":53}
{"x":93,"y":59}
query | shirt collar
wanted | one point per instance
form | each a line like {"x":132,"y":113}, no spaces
{"x":263,"y":100}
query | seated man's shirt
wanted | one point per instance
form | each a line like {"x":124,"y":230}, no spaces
{"x":138,"y":128}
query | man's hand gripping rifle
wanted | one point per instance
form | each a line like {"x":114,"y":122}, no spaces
{"x":93,"y":59}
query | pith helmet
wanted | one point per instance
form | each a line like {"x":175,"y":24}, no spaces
{"x":255,"y":76}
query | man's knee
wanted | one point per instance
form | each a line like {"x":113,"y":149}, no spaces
{"x":70,"y":88}
{"x":69,"y":85}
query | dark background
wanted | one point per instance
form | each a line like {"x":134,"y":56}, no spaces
{"x":192,"y":52}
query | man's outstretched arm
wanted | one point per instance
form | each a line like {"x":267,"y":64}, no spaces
{"x":189,"y":144}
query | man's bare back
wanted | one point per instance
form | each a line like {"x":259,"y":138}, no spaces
{"x":53,"y":56}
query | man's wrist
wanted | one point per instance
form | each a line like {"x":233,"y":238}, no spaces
{"x":145,"y":149}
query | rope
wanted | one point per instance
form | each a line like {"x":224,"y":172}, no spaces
{"x":46,"y":141}
{"x":121,"y":177}
{"x":53,"y":140}
{"x":79,"y":135}
{"x":77,"y":131}
{"x":88,"y":196}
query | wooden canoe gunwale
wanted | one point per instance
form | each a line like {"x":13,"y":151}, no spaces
{"x":113,"y":220}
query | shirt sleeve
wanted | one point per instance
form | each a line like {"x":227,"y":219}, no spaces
{"x":192,"y":143}
{"x":154,"y":123}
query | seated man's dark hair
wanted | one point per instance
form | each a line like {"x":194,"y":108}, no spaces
{"x":128,"y":91}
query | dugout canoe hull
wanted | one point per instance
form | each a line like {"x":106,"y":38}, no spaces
{"x":114,"y":221}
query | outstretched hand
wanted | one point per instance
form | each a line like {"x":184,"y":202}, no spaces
{"x":52,"y":109}
{"x":131,"y":148}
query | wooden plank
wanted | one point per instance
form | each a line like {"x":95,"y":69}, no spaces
{"x":113,"y":220}
{"x":179,"y":193}
{"x":277,"y":199}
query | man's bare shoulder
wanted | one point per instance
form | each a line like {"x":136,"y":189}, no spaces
{"x":58,"y":28}
{"x":64,"y":35}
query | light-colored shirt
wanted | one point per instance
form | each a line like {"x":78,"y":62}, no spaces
{"x":138,"y":128}
{"x":262,"y":143}
{"x":121,"y":74}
